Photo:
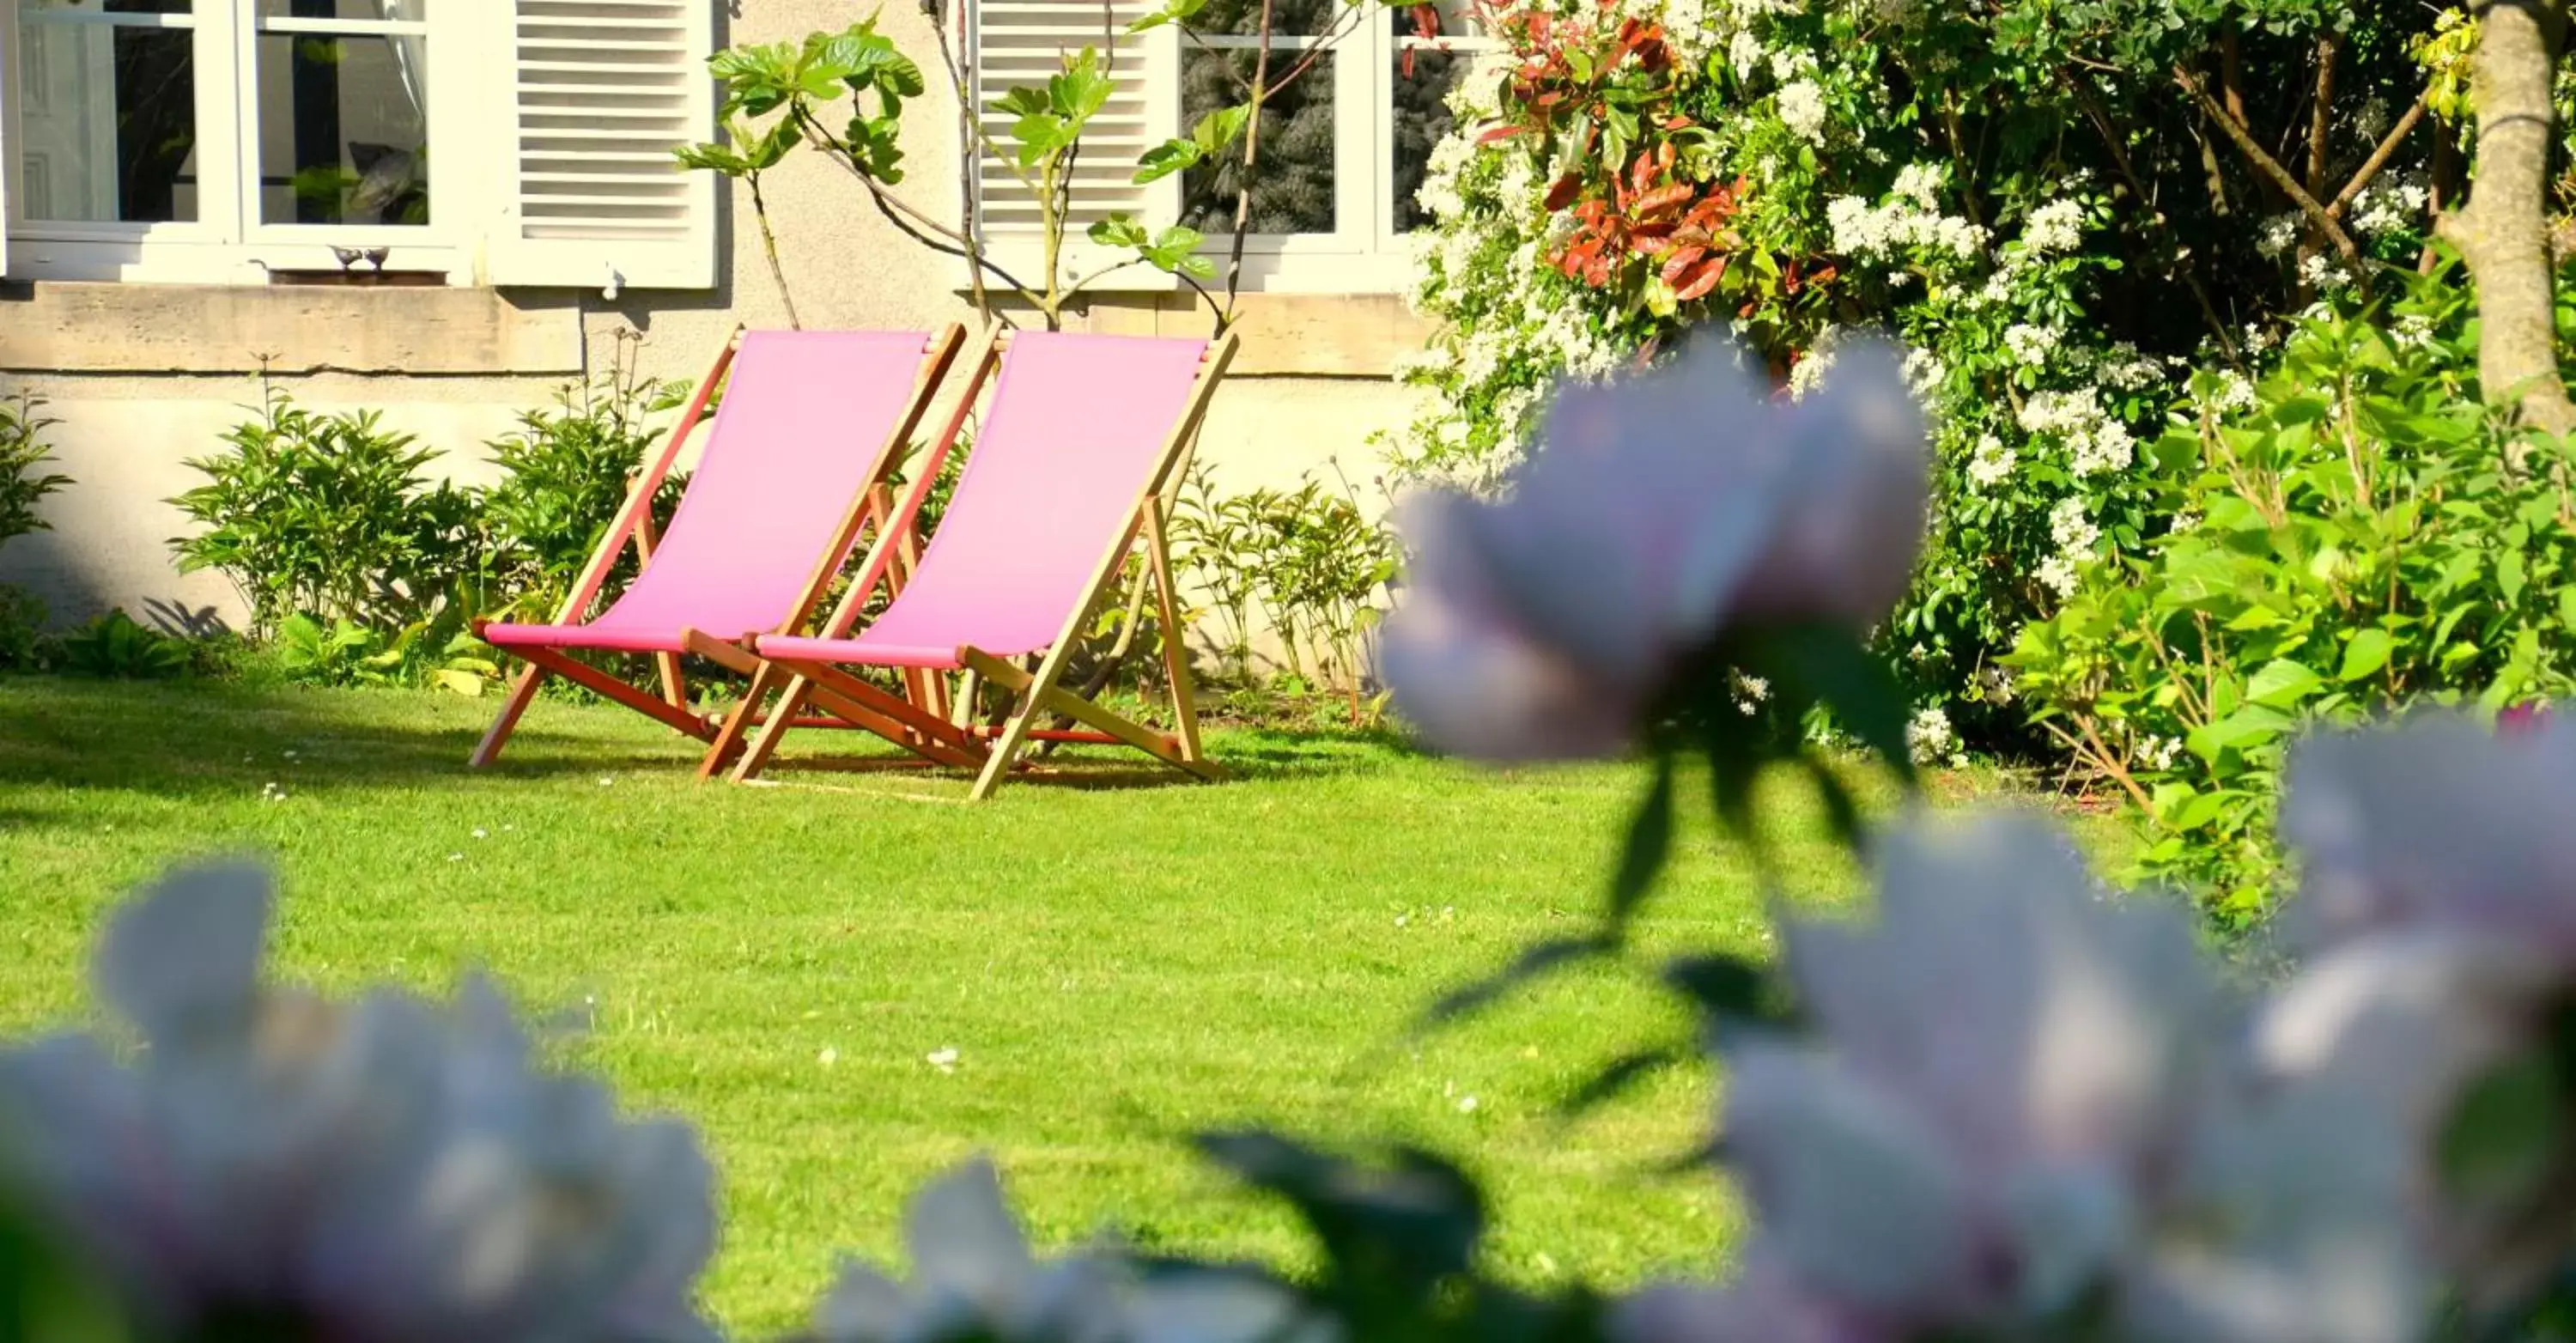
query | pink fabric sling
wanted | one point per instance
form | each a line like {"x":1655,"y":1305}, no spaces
{"x":794,"y":441}
{"x":1077,"y":426}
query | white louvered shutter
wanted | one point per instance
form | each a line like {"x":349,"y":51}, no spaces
{"x":1022,"y":42}
{"x":604,"y":90}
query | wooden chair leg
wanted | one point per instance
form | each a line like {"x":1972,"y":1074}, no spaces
{"x":1006,"y":748}
{"x":1176,"y":650}
{"x":755,"y":758}
{"x":738,"y":724}
{"x":675,"y":691}
{"x":523,"y":692}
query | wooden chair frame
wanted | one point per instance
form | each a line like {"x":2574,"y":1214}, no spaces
{"x":954,"y":739}
{"x":633,"y":525}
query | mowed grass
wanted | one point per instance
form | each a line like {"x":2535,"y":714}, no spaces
{"x":1117,"y":960}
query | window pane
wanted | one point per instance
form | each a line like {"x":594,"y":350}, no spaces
{"x":343,"y":129}
{"x":108,"y":115}
{"x":112,"y":6}
{"x":1288,"y":18}
{"x":1293,"y":187}
{"x":1423,"y":80}
{"x":371,"y":10}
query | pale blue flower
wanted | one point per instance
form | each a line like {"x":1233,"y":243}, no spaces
{"x":377,"y":1172}
{"x":1660,"y":513}
{"x":2019,"y":1099}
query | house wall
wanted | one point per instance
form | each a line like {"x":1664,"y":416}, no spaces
{"x":142,"y":378}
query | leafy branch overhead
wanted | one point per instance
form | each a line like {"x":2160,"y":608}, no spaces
{"x":780,"y":95}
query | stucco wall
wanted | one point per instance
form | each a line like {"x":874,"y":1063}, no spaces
{"x":143,"y":379}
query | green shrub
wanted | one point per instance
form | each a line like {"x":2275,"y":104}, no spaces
{"x":2351,"y":536}
{"x":117,"y":647}
{"x":565,"y":473}
{"x":1309,"y":563}
{"x":330,"y":515}
{"x":22,"y":450}
{"x":22,"y":629}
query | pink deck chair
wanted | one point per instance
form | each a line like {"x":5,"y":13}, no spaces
{"x":795,"y":467}
{"x":1077,"y":450}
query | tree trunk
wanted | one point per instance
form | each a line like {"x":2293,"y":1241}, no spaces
{"x":2503,"y":232}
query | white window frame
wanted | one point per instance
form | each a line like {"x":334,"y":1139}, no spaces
{"x":1363,"y":254}
{"x":227,"y":243}
{"x":523,"y":137}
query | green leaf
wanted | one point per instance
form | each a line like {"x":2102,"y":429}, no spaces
{"x":1039,"y":134}
{"x":1080,"y":91}
{"x":2367,"y":652}
{"x":1650,"y":843}
{"x":1220,"y":128}
{"x":2180,"y":807}
{"x":2282,"y":684}
{"x":1834,"y":668}
{"x":1118,"y":230}
{"x":1165,"y":159}
{"x":2509,"y":575}
{"x":2248,"y":727}
{"x":1173,"y":11}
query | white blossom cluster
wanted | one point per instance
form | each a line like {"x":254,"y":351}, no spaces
{"x":2278,"y":234}
{"x":2096,"y":442}
{"x":2392,"y":204}
{"x":2077,"y":540}
{"x":2320,"y":271}
{"x":2123,"y":368}
{"x":1930,"y":738}
{"x":1802,"y":109}
{"x":1510,"y":321}
{"x":2030,"y":344}
{"x":1903,"y":223}
{"x":2054,"y":228}
{"x":2225,"y":391}
{"x":1991,"y":462}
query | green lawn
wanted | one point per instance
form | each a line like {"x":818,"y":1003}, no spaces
{"x":1116,"y":961}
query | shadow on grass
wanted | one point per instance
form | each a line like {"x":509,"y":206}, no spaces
{"x":191,"y":737}
{"x":194,"y":738}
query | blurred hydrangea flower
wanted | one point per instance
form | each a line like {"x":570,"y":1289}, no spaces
{"x":975,"y":1280}
{"x":2014,"y":1119}
{"x":1661,"y":513}
{"x":375,"y":1172}
{"x":2438,"y":902}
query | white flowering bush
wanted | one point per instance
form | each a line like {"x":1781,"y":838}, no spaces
{"x":2347,"y":536}
{"x":2034,"y":197}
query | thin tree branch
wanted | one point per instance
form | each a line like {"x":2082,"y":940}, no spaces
{"x":1251,"y":160}
{"x":2269,"y":167}
{"x":2320,"y":117}
{"x":2387,"y":149}
{"x":970,"y":132}
{"x":769,"y":248}
{"x":888,"y":204}
{"x":2180,"y":264}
